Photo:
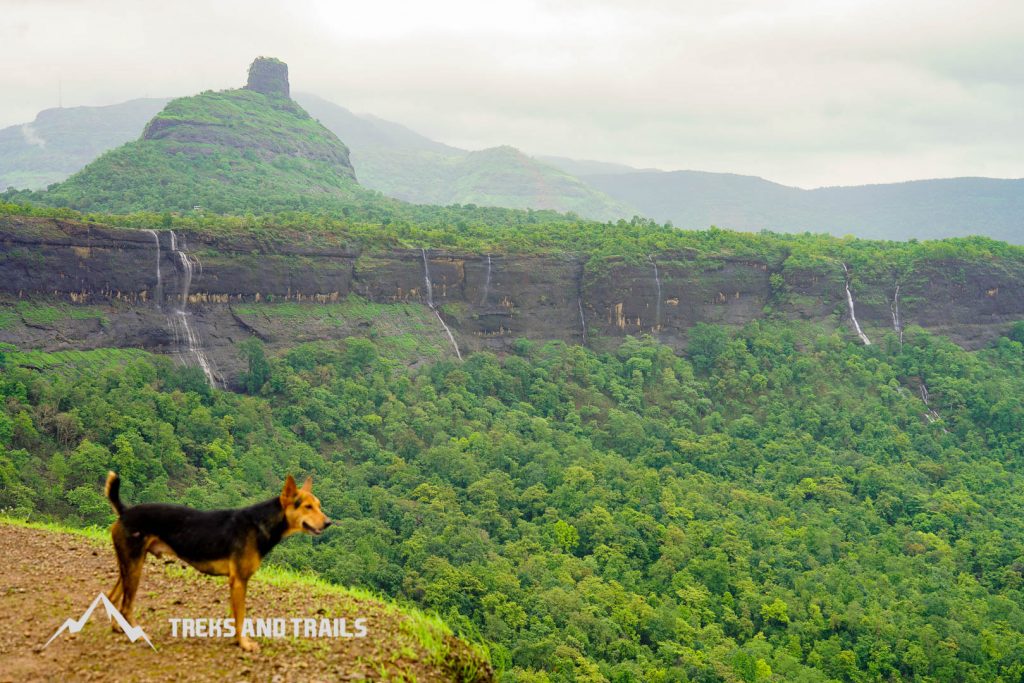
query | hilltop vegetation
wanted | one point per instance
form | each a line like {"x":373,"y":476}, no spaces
{"x":228,"y":151}
{"x":776,"y":505}
{"x":377,"y":225}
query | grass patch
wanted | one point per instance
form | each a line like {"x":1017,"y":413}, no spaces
{"x":72,"y":361}
{"x":352,"y":308}
{"x":426,"y":630}
{"x":33,"y":313}
{"x":401,"y":330}
{"x":94,"y":533}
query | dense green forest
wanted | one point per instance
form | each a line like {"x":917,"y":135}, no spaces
{"x":775,"y":504}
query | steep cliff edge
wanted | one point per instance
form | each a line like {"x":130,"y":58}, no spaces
{"x":131,"y":288}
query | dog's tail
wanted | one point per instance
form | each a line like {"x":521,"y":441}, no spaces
{"x":113,"y":491}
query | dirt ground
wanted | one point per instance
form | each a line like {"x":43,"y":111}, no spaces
{"x":47,"y":577}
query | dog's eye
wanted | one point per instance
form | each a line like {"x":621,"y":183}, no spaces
{"x":309,"y":505}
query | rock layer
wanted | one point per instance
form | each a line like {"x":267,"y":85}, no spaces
{"x":532,"y":296}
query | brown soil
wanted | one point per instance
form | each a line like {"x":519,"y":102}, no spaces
{"x":47,"y":577}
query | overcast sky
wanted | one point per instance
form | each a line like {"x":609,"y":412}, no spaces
{"x":803,"y":92}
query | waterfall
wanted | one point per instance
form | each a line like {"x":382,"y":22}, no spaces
{"x":447,"y":331}
{"x":657,"y":307}
{"x":426,"y":279}
{"x":931,"y":415}
{"x":897,"y":322}
{"x":181,"y":321}
{"x":487,"y":283}
{"x":583,"y":321}
{"x":430,"y":303}
{"x":158,"y":294}
{"x":186,"y":267}
{"x":853,"y":316}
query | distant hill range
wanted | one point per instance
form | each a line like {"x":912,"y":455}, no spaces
{"x":922,"y":209}
{"x":401,"y":163}
{"x":61,"y":141}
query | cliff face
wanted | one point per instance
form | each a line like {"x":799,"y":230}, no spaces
{"x":236,"y":285}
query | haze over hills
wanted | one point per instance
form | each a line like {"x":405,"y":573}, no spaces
{"x":63,"y":140}
{"x":401,"y":163}
{"x":923,"y":209}
{"x":406,"y":165}
{"x":585,"y":167}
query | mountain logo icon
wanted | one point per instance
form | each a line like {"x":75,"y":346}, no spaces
{"x":76,"y":625}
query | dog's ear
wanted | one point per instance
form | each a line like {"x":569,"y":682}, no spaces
{"x":289,"y":492}
{"x":307,"y":486}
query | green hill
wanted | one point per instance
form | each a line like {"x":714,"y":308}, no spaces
{"x":61,"y":141}
{"x":248,"y":149}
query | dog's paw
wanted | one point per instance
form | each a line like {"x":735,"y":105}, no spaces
{"x":116,"y":627}
{"x":248,"y":645}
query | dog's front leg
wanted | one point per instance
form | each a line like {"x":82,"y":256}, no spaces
{"x":238,"y":585}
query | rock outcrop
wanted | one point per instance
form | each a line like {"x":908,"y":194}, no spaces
{"x":268,"y":76}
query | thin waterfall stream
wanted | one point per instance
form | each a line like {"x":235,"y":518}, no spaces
{"x":657,"y":303}
{"x":181,"y":320}
{"x":430,"y":303}
{"x":158,"y":293}
{"x":487,"y":283}
{"x":853,"y":316}
{"x":583,"y":320}
{"x":897,"y":321}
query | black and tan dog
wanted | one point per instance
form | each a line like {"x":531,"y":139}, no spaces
{"x":219,"y":542}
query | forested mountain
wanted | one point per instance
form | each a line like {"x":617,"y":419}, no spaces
{"x":238,"y":150}
{"x":61,"y":141}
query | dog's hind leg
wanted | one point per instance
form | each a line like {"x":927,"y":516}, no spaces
{"x":121,"y":554}
{"x":130,"y":577}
